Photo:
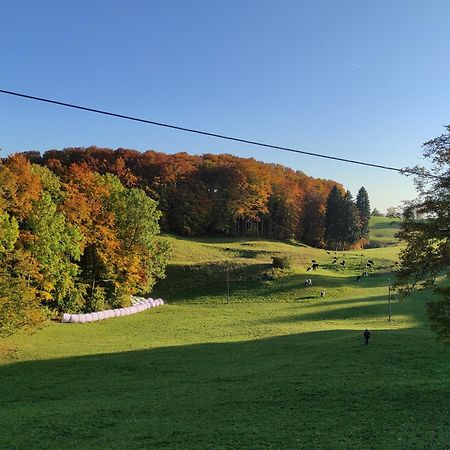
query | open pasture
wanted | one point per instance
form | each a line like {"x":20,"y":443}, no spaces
{"x":276,"y":366}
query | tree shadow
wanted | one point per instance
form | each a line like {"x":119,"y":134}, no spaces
{"x":354,"y":309}
{"x":311,"y":390}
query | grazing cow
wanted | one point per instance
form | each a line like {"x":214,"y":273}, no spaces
{"x":358,"y":278}
{"x":342,"y":263}
{"x":308,"y":269}
{"x":366,"y":274}
{"x":313,"y":261}
{"x":329,"y":253}
{"x":315,"y":266}
{"x":322,"y":294}
{"x":370,"y":262}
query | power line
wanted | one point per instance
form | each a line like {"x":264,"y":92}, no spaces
{"x":206,"y":133}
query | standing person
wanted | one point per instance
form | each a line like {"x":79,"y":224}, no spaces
{"x":366,"y":335}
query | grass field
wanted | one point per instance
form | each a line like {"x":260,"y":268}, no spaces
{"x":275,"y":367}
{"x":383,"y":230}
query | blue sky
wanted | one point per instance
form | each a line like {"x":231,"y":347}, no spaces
{"x":356,"y":79}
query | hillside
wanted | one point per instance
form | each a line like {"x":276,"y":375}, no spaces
{"x":275,"y":367}
{"x":383,"y":230}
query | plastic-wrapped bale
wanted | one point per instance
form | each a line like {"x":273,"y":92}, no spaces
{"x":74,"y":318}
{"x":101,"y":315}
{"x":117,"y":313}
{"x":122,"y":312}
{"x":65,"y":318}
{"x":141,"y":308}
{"x":152,"y":302}
{"x":159,"y":301}
{"x":88,"y":317}
{"x":127,"y":310}
{"x":133,"y":310}
{"x":94,"y":316}
{"x":81,"y":318}
{"x":109,"y":313}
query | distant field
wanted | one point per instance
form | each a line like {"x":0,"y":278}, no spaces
{"x":383,"y":230}
{"x":275,"y":367}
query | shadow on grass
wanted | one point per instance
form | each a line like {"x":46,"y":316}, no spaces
{"x":312,"y":390}
{"x":369,"y":309}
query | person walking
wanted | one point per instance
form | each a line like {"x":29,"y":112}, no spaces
{"x":366,"y":335}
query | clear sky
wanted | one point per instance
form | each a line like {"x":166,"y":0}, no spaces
{"x":356,"y":79}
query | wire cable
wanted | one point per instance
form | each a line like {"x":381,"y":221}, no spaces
{"x":215,"y":135}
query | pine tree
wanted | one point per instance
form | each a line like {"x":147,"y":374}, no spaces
{"x":350,"y":221}
{"x":333,"y":219}
{"x":363,"y":205}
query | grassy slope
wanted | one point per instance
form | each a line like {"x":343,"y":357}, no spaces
{"x":383,"y":229}
{"x":277,"y":367}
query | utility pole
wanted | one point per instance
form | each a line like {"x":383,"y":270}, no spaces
{"x":390,"y":299}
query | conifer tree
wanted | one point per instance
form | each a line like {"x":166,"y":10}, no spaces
{"x":363,"y":205}
{"x":350,"y":221}
{"x":333,"y":219}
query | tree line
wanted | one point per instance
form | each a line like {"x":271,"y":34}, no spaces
{"x":75,"y":241}
{"x":222,"y":194}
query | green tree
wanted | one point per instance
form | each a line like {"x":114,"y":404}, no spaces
{"x":363,"y":205}
{"x":334,"y":219}
{"x":377,"y":213}
{"x":349,"y":221}
{"x":426,"y":256}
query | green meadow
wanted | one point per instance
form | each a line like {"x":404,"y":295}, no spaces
{"x":273,"y":365}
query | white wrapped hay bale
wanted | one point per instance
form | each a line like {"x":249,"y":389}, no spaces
{"x":117,"y":313}
{"x":65,"y":318}
{"x":88,"y":317}
{"x":74,"y":318}
{"x":81,"y":318}
{"x":101,"y":315}
{"x":94,"y":316}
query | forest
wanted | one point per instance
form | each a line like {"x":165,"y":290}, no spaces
{"x":227,"y":195}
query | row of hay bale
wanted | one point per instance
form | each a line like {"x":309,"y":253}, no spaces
{"x":139,"y":305}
